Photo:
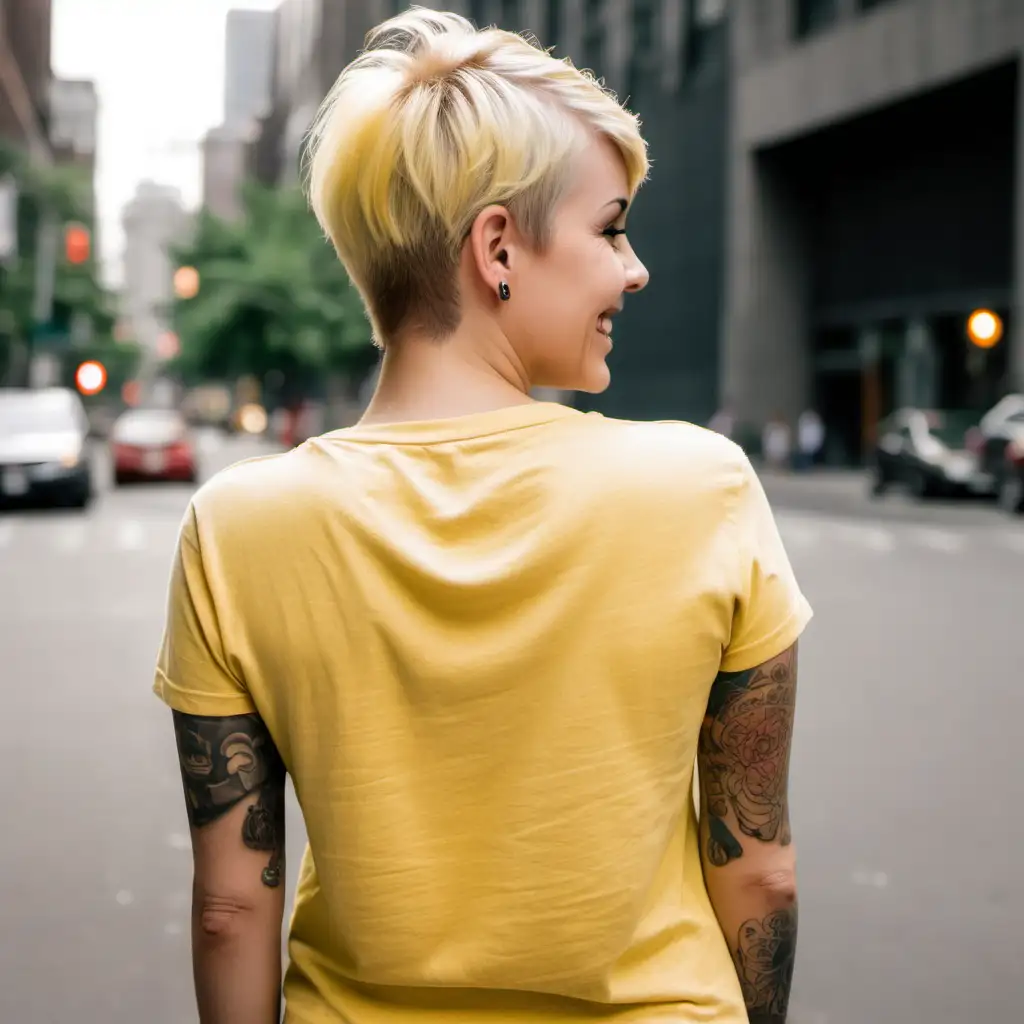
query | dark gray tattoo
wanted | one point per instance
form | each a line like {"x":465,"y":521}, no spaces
{"x":225,"y":760}
{"x":744,"y":755}
{"x":765,"y":954}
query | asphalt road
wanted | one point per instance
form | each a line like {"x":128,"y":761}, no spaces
{"x":906,"y":778}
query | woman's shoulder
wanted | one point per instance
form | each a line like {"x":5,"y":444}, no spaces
{"x":259,"y":493}
{"x":674,"y":465}
{"x":676,"y":443}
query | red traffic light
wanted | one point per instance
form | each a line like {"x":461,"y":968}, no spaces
{"x":77,"y":243}
{"x":91,"y":377}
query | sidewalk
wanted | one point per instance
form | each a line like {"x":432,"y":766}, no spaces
{"x":836,"y":484}
{"x":846,"y":493}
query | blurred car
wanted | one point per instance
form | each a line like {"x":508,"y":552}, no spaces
{"x":998,"y":431}
{"x":208,"y":405}
{"x":1011,"y":480}
{"x":152,"y":444}
{"x":927,"y":451}
{"x":44,"y":448}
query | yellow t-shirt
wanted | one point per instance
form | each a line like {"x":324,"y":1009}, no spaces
{"x":484,"y":647}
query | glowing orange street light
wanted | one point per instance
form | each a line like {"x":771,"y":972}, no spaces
{"x":984,"y":328}
{"x":186,"y":282}
{"x":91,"y":377}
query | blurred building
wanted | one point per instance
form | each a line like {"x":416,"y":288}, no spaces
{"x":74,"y":114}
{"x":249,"y":54}
{"x":74,"y":117}
{"x":313,"y":41}
{"x":226,"y":153}
{"x":227,"y":150}
{"x":154,"y":222}
{"x":25,"y":73}
{"x":875,"y":181}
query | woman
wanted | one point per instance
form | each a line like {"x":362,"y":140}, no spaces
{"x":487,"y":637}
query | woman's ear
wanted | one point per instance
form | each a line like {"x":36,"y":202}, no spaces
{"x":492,"y":243}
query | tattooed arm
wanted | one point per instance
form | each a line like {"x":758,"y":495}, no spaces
{"x":749,"y":862}
{"x":234,"y":791}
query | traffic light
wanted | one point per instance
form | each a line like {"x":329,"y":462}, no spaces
{"x":91,"y":377}
{"x":77,"y":243}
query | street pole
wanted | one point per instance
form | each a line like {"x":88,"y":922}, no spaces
{"x":8,"y":254}
{"x":45,"y":281}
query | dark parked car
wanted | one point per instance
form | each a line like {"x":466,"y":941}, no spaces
{"x":44,"y":448}
{"x":927,"y":451}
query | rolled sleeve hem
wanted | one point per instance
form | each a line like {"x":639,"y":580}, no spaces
{"x":192,"y":702}
{"x":750,"y":655}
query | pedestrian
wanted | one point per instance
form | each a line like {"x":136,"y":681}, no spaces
{"x":723,"y":421}
{"x":810,"y":439}
{"x":777,"y":443}
{"x":488,"y":637}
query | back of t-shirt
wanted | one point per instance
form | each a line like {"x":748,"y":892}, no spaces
{"x":484,"y":648}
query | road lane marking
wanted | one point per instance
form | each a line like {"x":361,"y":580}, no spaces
{"x":179,"y":841}
{"x":797,"y":533}
{"x":874,"y":538}
{"x":1013,"y":541}
{"x":70,"y":537}
{"x":939,"y":540}
{"x":871,"y":879}
{"x":131,"y":535}
{"x":6,"y":534}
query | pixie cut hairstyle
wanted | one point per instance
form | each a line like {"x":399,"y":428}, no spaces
{"x":430,"y":124}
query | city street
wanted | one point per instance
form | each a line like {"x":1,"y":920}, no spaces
{"x":906,"y":783}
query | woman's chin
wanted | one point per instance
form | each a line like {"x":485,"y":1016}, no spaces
{"x":592,"y":379}
{"x":598,"y":378}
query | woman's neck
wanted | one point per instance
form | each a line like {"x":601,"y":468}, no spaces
{"x":421,"y":379}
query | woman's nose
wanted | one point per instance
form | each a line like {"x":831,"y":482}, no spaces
{"x":637,"y":275}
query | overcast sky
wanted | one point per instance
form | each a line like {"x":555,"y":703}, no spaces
{"x":159,"y":71}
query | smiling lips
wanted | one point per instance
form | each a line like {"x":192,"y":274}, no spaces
{"x":604,"y":321}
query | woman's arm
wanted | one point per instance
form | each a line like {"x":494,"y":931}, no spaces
{"x":234,"y":790}
{"x":746,"y":848}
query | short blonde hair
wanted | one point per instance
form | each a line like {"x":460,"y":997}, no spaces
{"x":433,"y":122}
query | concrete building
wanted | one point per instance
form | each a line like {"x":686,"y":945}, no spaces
{"x":226,"y":154}
{"x":314,"y":40}
{"x":875,"y":200}
{"x":249,"y":54}
{"x":154,"y":221}
{"x":74,"y":115}
{"x":74,"y":118}
{"x":25,"y":73}
{"x":227,"y":151}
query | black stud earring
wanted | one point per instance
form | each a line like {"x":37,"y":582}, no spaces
{"x":503,"y":293}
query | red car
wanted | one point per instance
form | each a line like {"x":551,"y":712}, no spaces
{"x":152,"y":444}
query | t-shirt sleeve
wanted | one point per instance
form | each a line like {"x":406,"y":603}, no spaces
{"x":194,"y":674}
{"x":770,"y":612}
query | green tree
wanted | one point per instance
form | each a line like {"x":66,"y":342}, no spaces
{"x":62,"y":194}
{"x":272,"y":299}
